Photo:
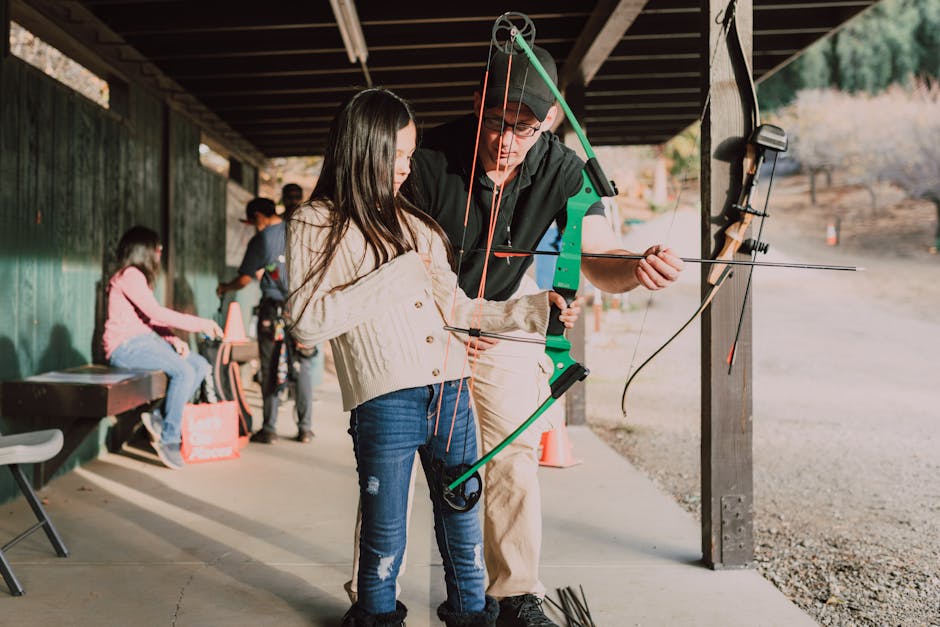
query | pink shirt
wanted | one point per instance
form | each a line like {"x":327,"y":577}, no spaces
{"x":133,"y":311}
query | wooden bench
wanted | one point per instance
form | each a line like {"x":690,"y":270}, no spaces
{"x":75,"y":401}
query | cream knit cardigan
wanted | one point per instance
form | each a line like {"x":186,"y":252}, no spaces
{"x":386,"y":329}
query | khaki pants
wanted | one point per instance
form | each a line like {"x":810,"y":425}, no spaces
{"x":510,"y":380}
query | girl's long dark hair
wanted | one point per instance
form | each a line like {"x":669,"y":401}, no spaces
{"x":138,"y":248}
{"x":357,"y":181}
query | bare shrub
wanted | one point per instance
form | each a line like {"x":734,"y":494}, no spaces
{"x":911,"y":159}
{"x":888,"y":137}
{"x":832,"y":129}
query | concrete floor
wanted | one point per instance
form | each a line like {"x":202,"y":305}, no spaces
{"x":266,"y":540}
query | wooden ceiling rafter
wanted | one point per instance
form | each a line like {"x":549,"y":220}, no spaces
{"x":275,"y":72}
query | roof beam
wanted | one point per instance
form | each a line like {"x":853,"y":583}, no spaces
{"x":604,"y":29}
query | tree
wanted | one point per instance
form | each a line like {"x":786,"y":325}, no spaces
{"x":890,"y":137}
{"x":880,"y":50}
{"x":892,"y":42}
{"x":927,"y":36}
{"x":818,"y":138}
{"x":683,"y":153}
{"x":912,"y":159}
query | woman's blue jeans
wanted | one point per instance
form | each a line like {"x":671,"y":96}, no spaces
{"x":151,"y":352}
{"x":386,"y":432}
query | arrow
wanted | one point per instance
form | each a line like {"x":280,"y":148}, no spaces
{"x":503,"y":252}
{"x":495,"y":336}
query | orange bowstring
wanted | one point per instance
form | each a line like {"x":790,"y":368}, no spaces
{"x":453,"y":305}
{"x":473,"y":345}
{"x":466,"y":217}
{"x":494,"y":214}
{"x":478,"y":313}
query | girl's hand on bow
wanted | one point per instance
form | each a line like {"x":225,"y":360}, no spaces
{"x":569,"y":313}
{"x":476,"y":345}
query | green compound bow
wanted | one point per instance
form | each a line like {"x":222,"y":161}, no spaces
{"x":567,"y":371}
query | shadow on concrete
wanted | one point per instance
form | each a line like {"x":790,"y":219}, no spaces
{"x":294,"y":591}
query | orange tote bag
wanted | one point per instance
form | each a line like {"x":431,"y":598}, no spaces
{"x":210,"y":432}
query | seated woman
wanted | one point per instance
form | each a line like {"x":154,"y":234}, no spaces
{"x":371,"y":273}
{"x":137,"y":334}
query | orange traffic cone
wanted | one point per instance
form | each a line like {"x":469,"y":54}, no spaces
{"x":234,"y":325}
{"x":832,"y":232}
{"x":556,"y":449}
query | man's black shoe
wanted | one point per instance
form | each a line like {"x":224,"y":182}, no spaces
{"x":264,"y":437}
{"x":524,"y":610}
{"x":305,"y":436}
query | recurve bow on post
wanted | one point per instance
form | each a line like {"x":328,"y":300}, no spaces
{"x":739,"y":212}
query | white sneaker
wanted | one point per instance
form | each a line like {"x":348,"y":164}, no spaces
{"x":154,"y":425}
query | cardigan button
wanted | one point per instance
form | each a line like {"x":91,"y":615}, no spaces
{"x":429,"y":339}
{"x":436,"y":372}
{"x":419,"y":305}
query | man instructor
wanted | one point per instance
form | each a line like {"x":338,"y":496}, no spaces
{"x":520,"y":159}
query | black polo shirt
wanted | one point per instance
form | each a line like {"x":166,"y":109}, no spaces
{"x":536,"y":197}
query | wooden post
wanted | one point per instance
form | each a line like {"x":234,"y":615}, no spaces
{"x":576,"y":396}
{"x":727,"y":482}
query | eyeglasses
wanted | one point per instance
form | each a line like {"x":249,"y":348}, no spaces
{"x":518,"y":129}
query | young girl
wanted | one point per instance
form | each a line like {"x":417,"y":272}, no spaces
{"x":371,"y":273}
{"x":137,"y":335}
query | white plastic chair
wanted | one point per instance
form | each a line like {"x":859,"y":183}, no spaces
{"x":29,"y":448}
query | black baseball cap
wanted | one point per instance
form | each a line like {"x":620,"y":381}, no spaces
{"x":525,"y":84}
{"x":291,"y":188}
{"x":264,"y":206}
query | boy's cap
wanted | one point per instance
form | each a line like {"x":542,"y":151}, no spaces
{"x":525,"y":84}
{"x":292,"y":188}
{"x":264,"y":206}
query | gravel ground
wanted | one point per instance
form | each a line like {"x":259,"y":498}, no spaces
{"x":846,"y":402}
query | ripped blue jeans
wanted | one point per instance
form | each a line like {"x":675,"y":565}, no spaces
{"x":386,"y":432}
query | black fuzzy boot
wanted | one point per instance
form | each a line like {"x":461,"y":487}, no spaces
{"x":358,"y":617}
{"x":484,"y":618}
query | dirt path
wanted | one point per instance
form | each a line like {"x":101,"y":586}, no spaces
{"x":846,"y":403}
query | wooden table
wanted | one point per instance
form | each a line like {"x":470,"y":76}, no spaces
{"x":75,"y":401}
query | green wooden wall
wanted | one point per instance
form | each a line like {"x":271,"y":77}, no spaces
{"x":73,"y":178}
{"x":198,"y":225}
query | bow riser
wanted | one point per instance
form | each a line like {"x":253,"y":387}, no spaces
{"x":567,"y":278}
